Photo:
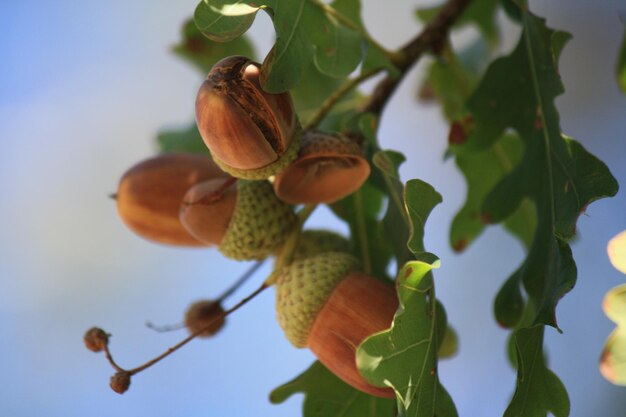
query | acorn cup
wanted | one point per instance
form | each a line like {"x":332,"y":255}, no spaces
{"x":245,"y":219}
{"x":251,"y":134}
{"x":329,"y":167}
{"x":324,"y":303}
{"x":149,"y":195}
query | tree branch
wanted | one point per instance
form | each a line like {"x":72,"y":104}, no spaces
{"x":432,"y":37}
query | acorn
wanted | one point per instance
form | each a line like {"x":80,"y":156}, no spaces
{"x":251,"y":134}
{"x":326,"y":304}
{"x":329,"y":167}
{"x":206,"y":316}
{"x":149,"y":195}
{"x":245,"y":219}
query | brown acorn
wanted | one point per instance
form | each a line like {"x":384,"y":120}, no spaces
{"x":150,"y":193}
{"x":329,"y":167}
{"x":251,"y":134}
{"x":326,"y":304}
{"x":245,"y":219}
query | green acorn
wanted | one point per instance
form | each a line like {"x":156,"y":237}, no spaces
{"x":326,"y":304}
{"x":244,"y":218}
{"x":302,"y":289}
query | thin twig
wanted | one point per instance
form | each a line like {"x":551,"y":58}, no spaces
{"x":330,"y":102}
{"x":187,"y":339}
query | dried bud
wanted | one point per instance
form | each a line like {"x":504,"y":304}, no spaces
{"x":120,"y":382}
{"x":150,"y":193}
{"x":328,"y":168}
{"x":250,"y":132}
{"x":205,"y":316}
{"x":96,"y":339}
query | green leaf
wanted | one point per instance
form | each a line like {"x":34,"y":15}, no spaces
{"x":405,"y":356}
{"x":328,"y":396}
{"x":509,"y":304}
{"x":396,"y":220}
{"x":224,"y":20}
{"x":293,"y":51}
{"x":556,"y":173}
{"x":453,"y":77}
{"x":361,"y":211}
{"x":539,"y":391}
{"x":306,"y":31}
{"x":480,"y":13}
{"x":482,"y":171}
{"x":203,"y":53}
{"x":182,"y":140}
{"x":420,"y":199}
{"x":338,"y":50}
{"x":312,"y":90}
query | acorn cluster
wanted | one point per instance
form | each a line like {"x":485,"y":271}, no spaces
{"x":243,"y":199}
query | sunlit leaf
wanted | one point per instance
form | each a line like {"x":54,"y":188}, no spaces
{"x":182,"y":140}
{"x":224,"y":20}
{"x":203,"y":53}
{"x":617,"y":251}
{"x":613,"y":359}
{"x":328,"y":396}
{"x":539,"y":390}
{"x":405,"y":356}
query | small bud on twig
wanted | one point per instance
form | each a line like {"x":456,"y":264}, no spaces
{"x":120,"y":382}
{"x":96,"y":339}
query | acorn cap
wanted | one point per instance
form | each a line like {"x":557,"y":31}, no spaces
{"x":303,"y":288}
{"x":314,"y":242}
{"x":149,"y":195}
{"x":245,"y":219}
{"x":260,"y":222}
{"x":247,"y":129}
{"x":329,"y":167}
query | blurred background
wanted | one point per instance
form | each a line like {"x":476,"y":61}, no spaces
{"x":84,"y":88}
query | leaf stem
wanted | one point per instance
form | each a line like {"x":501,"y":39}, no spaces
{"x":242,"y":279}
{"x":362,"y":231}
{"x":344,"y":89}
{"x":285,"y":257}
